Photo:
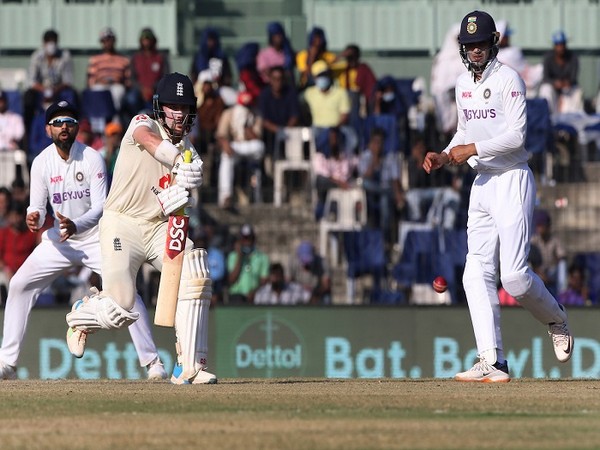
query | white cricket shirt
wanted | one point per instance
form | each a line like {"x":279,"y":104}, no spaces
{"x":492,"y":113}
{"x":76,"y":188}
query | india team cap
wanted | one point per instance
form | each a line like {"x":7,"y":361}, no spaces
{"x":62,"y":107}
{"x":477,"y":26}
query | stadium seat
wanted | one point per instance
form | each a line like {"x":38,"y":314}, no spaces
{"x":427,"y":254}
{"x":345,"y":210}
{"x":13,"y":164}
{"x":15,"y":101}
{"x":98,"y":107}
{"x":297,"y":139}
{"x":365,"y":255}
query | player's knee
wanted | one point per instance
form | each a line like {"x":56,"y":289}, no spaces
{"x":517,"y":284}
{"x":474,"y":271}
{"x":195,"y":276}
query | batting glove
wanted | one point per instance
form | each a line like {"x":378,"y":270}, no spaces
{"x":188,"y":175}
{"x":173,"y":198}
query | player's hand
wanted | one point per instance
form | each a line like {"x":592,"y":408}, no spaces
{"x":434,"y":161}
{"x":458,"y":155}
{"x":32,"y":220}
{"x":67,"y":227}
{"x":188,"y":175}
{"x":173,"y":198}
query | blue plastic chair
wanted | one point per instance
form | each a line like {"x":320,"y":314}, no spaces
{"x":98,"y":108}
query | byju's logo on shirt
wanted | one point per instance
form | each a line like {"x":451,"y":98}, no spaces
{"x":479,"y":114}
{"x":61,"y":197}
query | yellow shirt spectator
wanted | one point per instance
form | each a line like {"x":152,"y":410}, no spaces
{"x":327,"y":108}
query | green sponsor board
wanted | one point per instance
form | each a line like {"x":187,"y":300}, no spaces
{"x":336,"y":342}
{"x":373,"y":342}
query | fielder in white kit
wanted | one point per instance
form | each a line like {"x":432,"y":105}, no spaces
{"x":72,"y":177}
{"x":490,"y":137}
{"x":134,"y":225}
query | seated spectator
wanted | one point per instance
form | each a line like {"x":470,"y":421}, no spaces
{"x":87,"y":136}
{"x":315,"y":51}
{"x":560,"y":80}
{"x":250,"y":79}
{"x":210,"y":109}
{"x":356,"y":77}
{"x":278,"y":53}
{"x":113,"y":134}
{"x":553,"y":265}
{"x":513,"y":57}
{"x":387,"y":98}
{"x":435,"y":199}
{"x":576,"y":293}
{"x":217,"y":265}
{"x":209,"y":49}
{"x":380,"y":176}
{"x":278,"y":291}
{"x":50,"y":78}
{"x":16,"y":241}
{"x":12,"y":128}
{"x":239,"y":136}
{"x":333,"y":168}
{"x":110,"y":70}
{"x":19,"y":191}
{"x":148,"y":66}
{"x":329,"y":106}
{"x":247,"y":268}
{"x":5,"y":202}
{"x":446,"y":67}
{"x":279,"y":108}
{"x":309,"y":269}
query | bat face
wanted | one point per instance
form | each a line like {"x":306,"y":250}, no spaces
{"x":177,"y":231}
{"x":166,"y":303}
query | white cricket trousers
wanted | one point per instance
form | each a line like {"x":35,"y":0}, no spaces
{"x":498,"y":238}
{"x":42,"y":267}
{"x":254,"y":150}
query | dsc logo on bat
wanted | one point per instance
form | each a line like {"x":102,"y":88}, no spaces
{"x":176,"y":235}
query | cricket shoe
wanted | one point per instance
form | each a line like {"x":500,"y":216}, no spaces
{"x":484,"y":372}
{"x":202,"y":377}
{"x":156,"y":370}
{"x":76,"y":339}
{"x":7,"y":372}
{"x":561,"y":340}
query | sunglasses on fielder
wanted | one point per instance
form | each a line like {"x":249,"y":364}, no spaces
{"x":58,"y":123}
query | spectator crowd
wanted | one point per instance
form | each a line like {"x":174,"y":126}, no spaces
{"x":370,"y":131}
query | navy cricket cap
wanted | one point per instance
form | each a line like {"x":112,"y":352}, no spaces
{"x":61,"y":107}
{"x":477,"y":26}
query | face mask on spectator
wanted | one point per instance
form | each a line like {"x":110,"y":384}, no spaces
{"x":322,"y":82}
{"x":388,"y":96}
{"x":50,"y":48}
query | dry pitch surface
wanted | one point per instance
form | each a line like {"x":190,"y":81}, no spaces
{"x":300,"y":414}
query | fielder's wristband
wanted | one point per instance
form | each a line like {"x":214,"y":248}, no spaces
{"x":166,"y":153}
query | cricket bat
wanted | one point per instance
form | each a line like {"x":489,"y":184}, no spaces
{"x":168,"y":288}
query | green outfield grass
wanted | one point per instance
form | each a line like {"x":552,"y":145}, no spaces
{"x":300,"y":414}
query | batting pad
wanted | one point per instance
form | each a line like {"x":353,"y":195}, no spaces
{"x":191,"y":318}
{"x":100,"y":312}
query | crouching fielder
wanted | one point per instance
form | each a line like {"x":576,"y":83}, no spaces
{"x":134,"y":226}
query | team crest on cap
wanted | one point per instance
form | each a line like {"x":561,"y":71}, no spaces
{"x":487,"y":93}
{"x":63,"y":103}
{"x":471,"y":25}
{"x":180,"y":89}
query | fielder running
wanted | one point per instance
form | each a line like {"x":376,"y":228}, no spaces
{"x":490,"y":137}
{"x":72,"y":177}
{"x":133,"y":228}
